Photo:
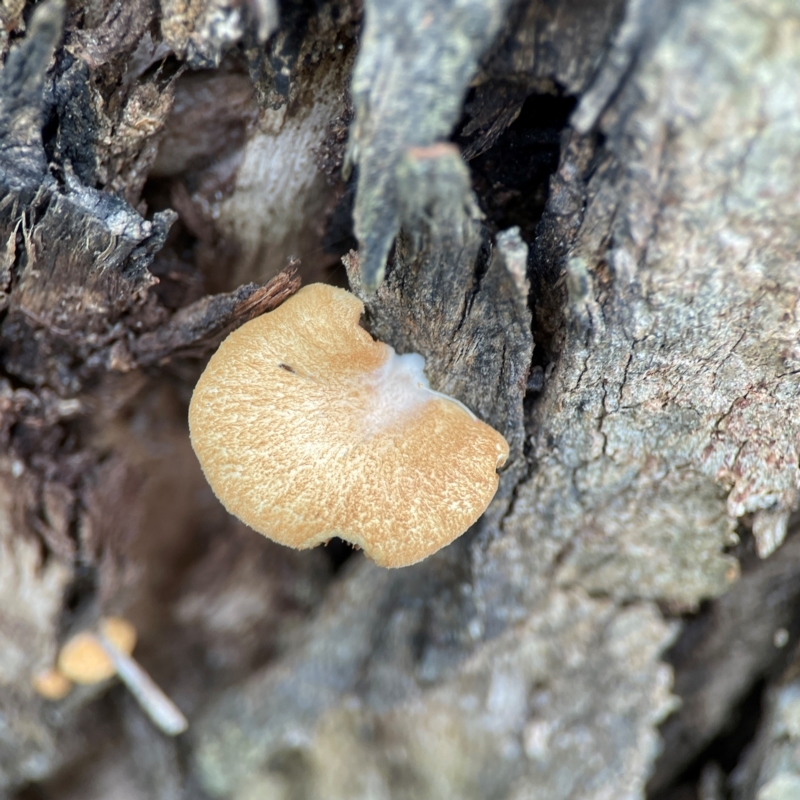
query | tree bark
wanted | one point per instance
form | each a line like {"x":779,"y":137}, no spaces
{"x":583,"y":215}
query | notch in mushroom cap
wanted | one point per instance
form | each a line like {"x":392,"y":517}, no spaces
{"x":308,"y":428}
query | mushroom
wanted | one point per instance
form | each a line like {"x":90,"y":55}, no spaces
{"x":84,"y":660}
{"x":92,"y":657}
{"x":307,"y":428}
{"x":51,"y":684}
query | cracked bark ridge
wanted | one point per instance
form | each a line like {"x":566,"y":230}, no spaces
{"x":280,"y":70}
{"x":75,"y":258}
{"x":120,"y":31}
{"x":75,"y":275}
{"x":108,"y":126}
{"x":64,"y":298}
{"x":199,"y":327}
{"x":22,"y":78}
{"x":670,"y":416}
{"x":414,"y":64}
{"x":640,"y":26}
{"x":202,"y":32}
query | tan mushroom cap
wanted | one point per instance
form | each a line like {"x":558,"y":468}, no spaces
{"x":51,"y":684}
{"x":83,"y":660}
{"x":307,"y":428}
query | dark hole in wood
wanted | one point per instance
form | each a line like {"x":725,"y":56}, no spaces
{"x":79,"y":596}
{"x":671,"y":779}
{"x":512,"y":177}
{"x":339,"y":237}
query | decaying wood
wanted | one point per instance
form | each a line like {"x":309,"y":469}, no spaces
{"x":75,"y":283}
{"x":769,"y":768}
{"x":586,"y":212}
{"x":745,"y":638}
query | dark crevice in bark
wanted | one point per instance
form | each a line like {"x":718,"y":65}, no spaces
{"x":339,"y":238}
{"x":745,"y":549}
{"x":725,"y":657}
{"x":511,"y":178}
{"x":80,"y":595}
{"x":556,"y":228}
{"x":725,"y":751}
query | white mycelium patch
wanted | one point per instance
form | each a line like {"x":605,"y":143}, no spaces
{"x":400,"y":388}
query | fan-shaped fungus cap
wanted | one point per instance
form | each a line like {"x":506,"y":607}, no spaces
{"x":83,"y":660}
{"x":308,"y":428}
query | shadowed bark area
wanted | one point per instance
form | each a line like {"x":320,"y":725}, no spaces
{"x":585,"y":216}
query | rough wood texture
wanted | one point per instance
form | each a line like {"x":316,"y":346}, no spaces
{"x":770,"y":769}
{"x":636,"y":340}
{"x":76,"y":311}
{"x":744,"y":638}
{"x":408,"y":99}
{"x":640,"y":440}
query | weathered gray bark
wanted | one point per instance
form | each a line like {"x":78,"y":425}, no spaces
{"x":640,"y":351}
